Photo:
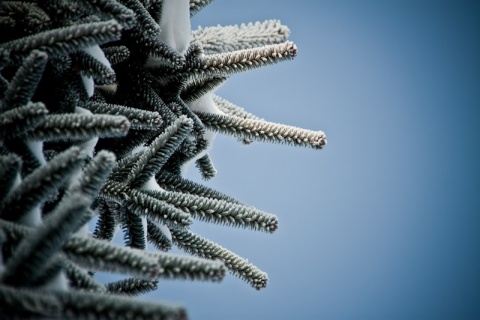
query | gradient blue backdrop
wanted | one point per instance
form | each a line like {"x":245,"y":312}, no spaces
{"x":384,"y":223}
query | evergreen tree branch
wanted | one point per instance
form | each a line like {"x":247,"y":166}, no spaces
{"x":78,"y":127}
{"x":62,"y":41}
{"x":139,"y":119}
{"x":18,"y":303}
{"x":159,"y":151}
{"x":221,"y":39}
{"x":91,"y":305}
{"x":158,"y":238}
{"x":233,"y":110}
{"x":206,"y":168}
{"x":197,"y":5}
{"x":142,"y":204}
{"x":131,"y":286}
{"x":36,"y":248}
{"x":201,"y":247}
{"x":177,"y":183}
{"x":25,"y":81}
{"x":263,"y":131}
{"x":9,"y":171}
{"x":80,"y":279}
{"x":19,"y":120}
{"x":40,"y":184}
{"x":218,"y":211}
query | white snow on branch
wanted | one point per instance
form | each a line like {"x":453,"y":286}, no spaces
{"x":175,"y":24}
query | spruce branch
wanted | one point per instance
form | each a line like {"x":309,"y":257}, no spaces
{"x":142,"y":204}
{"x":18,"y":303}
{"x":197,"y":86}
{"x":40,"y":184}
{"x":91,"y":67}
{"x":62,"y":41}
{"x":201,"y":247}
{"x":174,"y":266}
{"x":263,"y":131}
{"x":94,"y":175}
{"x":119,"y":12}
{"x":158,"y":237}
{"x":197,"y":5}
{"x":174,"y":182}
{"x":221,"y":39}
{"x":160,"y":150}
{"x":19,"y":120}
{"x":97,"y":255}
{"x":233,"y":110}
{"x":105,"y":227}
{"x":116,"y":54}
{"x":224,"y":64}
{"x":25,"y":81}
{"x":133,"y":230}
{"x":218,"y":211}
{"x":9,"y":171}
{"x":205,"y":165}
{"x":78,"y":127}
{"x":139,"y":119}
{"x":36,"y":248}
{"x":92,"y":305}
{"x":80,"y":279}
{"x":131,"y":286}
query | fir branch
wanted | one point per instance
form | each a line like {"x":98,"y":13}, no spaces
{"x":25,"y":16}
{"x":145,"y":25}
{"x":80,"y":279}
{"x":93,"y":305}
{"x":9,"y":171}
{"x":94,"y":175}
{"x":197,"y":5}
{"x":123,"y":15}
{"x":90,"y":66}
{"x":224,"y":64}
{"x":133,"y":230}
{"x":105,"y":227}
{"x":218,"y":211}
{"x":116,"y":54}
{"x":174,"y":182}
{"x":221,"y":39}
{"x":36,"y":248}
{"x":18,"y":303}
{"x":201,"y":247}
{"x":22,"y":86}
{"x":78,"y":127}
{"x":174,"y":266}
{"x":160,"y":150}
{"x":233,"y":110}
{"x":144,"y":205}
{"x":31,"y":160}
{"x":206,"y":168}
{"x":19,"y":120}
{"x":62,"y":41}
{"x":97,"y":255}
{"x":131,"y":286}
{"x":47,"y":272}
{"x":263,"y":131}
{"x":158,"y":238}
{"x":40,"y":184}
{"x":197,"y":86}
{"x":139,"y":119}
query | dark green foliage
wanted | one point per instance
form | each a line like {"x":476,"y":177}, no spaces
{"x":95,"y":121}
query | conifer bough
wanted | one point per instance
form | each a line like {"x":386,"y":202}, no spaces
{"x":103,"y":107}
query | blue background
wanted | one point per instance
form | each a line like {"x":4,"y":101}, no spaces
{"x":384,"y":223}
